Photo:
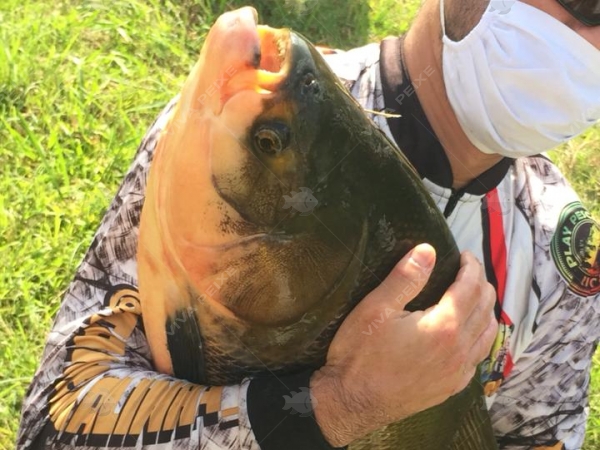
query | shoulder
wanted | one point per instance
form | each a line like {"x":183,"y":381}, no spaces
{"x":351,"y":65}
{"x":566,"y":236}
{"x":359,"y":71}
{"x":556,"y":261}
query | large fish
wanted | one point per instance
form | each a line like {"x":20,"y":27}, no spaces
{"x":273,"y":206}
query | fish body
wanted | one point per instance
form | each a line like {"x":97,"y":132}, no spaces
{"x":274,"y":205}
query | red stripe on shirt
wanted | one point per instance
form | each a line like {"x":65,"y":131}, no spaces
{"x":498,"y":257}
{"x":497,"y":241}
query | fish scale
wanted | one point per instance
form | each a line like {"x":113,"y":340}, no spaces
{"x":232,"y":282}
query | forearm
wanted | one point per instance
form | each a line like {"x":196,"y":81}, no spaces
{"x":341,"y":414}
{"x":106,"y":394}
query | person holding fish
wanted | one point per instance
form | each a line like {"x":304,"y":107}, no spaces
{"x":239,"y":299}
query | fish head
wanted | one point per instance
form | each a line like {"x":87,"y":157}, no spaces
{"x":260,"y":102}
{"x":260,"y":161}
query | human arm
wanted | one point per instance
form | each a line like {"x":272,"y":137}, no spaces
{"x":435,"y":357}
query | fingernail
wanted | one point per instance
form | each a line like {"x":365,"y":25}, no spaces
{"x":423,"y":256}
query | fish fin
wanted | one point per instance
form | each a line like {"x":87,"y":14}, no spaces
{"x":185,"y":346}
{"x":476,"y":431}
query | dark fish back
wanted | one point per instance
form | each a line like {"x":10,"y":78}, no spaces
{"x":463,"y":417}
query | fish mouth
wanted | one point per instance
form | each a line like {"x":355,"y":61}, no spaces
{"x":273,"y":61}
{"x":247,"y":56}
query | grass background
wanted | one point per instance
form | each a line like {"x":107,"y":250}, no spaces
{"x":80,"y":81}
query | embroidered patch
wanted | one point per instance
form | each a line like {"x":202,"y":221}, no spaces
{"x":576,"y":249}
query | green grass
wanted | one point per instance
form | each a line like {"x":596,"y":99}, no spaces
{"x":80,"y":81}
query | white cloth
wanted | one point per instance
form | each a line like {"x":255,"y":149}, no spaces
{"x":521,"y":82}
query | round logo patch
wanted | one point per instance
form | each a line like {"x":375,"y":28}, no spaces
{"x":576,"y":249}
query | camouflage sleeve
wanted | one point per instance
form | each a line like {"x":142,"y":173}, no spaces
{"x":106,"y":394}
{"x":543,"y":404}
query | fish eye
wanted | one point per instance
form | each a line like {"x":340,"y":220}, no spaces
{"x":272,"y":138}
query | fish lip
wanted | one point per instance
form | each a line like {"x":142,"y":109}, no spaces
{"x":264,"y":68}
{"x":240,"y":56}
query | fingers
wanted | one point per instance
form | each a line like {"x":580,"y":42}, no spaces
{"x":482,"y":346}
{"x":464,"y":295}
{"x":465,"y":315}
{"x":408,"y":277}
{"x":482,"y":315}
{"x":479,"y":351}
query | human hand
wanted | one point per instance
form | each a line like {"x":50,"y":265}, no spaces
{"x":385,"y":363}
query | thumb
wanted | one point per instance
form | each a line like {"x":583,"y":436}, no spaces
{"x":407,"y":278}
